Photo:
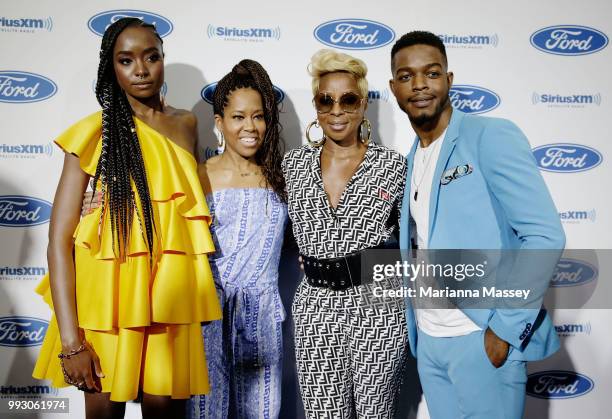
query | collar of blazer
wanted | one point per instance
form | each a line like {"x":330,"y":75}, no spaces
{"x":451,"y":137}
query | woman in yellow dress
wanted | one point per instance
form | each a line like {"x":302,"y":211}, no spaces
{"x":130,"y":283}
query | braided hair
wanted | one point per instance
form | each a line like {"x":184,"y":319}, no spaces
{"x":121,"y":162}
{"x":251,"y":74}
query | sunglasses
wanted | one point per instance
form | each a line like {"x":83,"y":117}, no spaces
{"x":349,"y":102}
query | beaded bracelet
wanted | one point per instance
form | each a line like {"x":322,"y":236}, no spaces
{"x":73,"y":352}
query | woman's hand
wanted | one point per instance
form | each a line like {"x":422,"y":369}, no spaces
{"x":91,"y":201}
{"x":83,"y":369}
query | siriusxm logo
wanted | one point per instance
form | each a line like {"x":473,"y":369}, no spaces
{"x":22,"y":331}
{"x":558,"y":384}
{"x":98,"y":23}
{"x":23,"y":211}
{"x":565,"y":101}
{"x":566,"y":157}
{"x":11,"y":273}
{"x":569,"y":40}
{"x":572,"y":272}
{"x":25,"y":151}
{"x":209,"y":90}
{"x":354,"y":34}
{"x":473,"y":99}
{"x":29,"y":25}
{"x":27,"y":390}
{"x":568,"y":329}
{"x":243,"y":34}
{"x":575,"y":217}
{"x":469,"y":41}
{"x":378,"y":95}
{"x":22,"y":87}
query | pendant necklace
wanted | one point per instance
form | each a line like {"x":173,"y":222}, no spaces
{"x":417,"y":185}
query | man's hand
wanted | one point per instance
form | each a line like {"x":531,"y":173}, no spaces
{"x":496,"y":348}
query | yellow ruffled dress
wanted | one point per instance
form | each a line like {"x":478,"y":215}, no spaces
{"x":144,"y":325}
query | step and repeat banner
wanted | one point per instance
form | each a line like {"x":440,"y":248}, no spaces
{"x":545,"y":65}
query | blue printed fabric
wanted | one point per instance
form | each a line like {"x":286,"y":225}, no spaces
{"x":244,"y":349}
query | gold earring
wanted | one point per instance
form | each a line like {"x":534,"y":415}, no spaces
{"x":368,"y":127}
{"x":318,"y":143}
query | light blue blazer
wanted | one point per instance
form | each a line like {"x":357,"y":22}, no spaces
{"x":503,"y":204}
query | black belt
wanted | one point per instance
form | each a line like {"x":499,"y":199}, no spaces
{"x":342,"y":272}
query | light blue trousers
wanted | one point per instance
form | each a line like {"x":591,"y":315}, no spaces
{"x":459,"y":381}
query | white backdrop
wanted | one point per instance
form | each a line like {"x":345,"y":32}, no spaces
{"x":554,"y":83}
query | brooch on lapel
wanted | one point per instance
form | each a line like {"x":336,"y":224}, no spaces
{"x":455,"y":173}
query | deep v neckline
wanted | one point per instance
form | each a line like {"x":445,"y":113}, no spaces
{"x":363,"y":165}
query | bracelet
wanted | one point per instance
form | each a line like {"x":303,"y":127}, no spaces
{"x":73,"y":352}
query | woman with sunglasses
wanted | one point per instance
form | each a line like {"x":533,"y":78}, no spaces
{"x":344,"y":194}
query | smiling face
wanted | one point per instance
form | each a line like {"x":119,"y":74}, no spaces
{"x":337,"y":124}
{"x":243,"y":124}
{"x":138,"y":62}
{"x":421,"y":83}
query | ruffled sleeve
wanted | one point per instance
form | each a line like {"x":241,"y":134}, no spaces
{"x":177,"y":287}
{"x":83,"y":140}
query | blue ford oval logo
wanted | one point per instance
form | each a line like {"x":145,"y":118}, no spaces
{"x":23,"y":87}
{"x":558,"y":384}
{"x":473,"y":99}
{"x":569,"y":40}
{"x":566,"y":157}
{"x":209,"y":90}
{"x":572,"y":272}
{"x":98,"y":23}
{"x":354,"y":34}
{"x":23,"y":211}
{"x":22,"y":331}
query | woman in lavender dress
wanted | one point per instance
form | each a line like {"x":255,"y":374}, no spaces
{"x":246,"y":195}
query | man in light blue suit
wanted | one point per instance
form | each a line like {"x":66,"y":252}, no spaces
{"x":472,"y":183}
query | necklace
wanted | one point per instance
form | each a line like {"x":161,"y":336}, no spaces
{"x":245,"y":174}
{"x":432,"y":147}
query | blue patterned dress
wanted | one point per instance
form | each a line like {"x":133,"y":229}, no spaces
{"x":244,"y":349}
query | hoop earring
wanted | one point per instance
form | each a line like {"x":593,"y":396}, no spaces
{"x":368,"y":127}
{"x":317,"y":143}
{"x":220,"y":142}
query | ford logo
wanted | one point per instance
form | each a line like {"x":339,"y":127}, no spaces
{"x":23,"y":211}
{"x":98,"y":23}
{"x":209,"y":90}
{"x":566,"y":157}
{"x":473,"y":99}
{"x":572,"y":272}
{"x":354,"y":34}
{"x":558,"y":384}
{"x":22,"y":331}
{"x":22,"y":87}
{"x":569,"y":40}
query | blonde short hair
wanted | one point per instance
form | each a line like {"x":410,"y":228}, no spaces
{"x":327,"y":61}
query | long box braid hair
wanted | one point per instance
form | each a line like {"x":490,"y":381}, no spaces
{"x":121,"y":159}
